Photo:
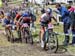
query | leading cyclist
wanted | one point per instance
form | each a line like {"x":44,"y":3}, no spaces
{"x":46,"y":18}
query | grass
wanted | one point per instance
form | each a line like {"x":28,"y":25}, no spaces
{"x":1,"y":27}
{"x":14,"y":2}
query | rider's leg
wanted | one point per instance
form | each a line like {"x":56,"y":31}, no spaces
{"x":42,"y":33}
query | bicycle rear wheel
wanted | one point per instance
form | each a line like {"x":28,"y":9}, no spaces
{"x":27,"y":36}
{"x":30,"y":39}
{"x":24,"y":36}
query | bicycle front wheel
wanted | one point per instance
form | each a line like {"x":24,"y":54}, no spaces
{"x":52,"y":43}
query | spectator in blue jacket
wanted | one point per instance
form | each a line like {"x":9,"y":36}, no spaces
{"x":66,"y":21}
{"x":62,"y":10}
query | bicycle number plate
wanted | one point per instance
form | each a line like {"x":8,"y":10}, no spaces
{"x":50,"y":26}
{"x":25,"y":25}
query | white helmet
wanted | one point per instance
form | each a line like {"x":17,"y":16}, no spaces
{"x":49,"y":10}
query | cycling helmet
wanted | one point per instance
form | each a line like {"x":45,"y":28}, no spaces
{"x":49,"y":10}
{"x":8,"y":14}
{"x":25,"y":15}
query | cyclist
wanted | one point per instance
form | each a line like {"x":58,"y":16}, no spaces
{"x":18,"y":15}
{"x":7,"y":20}
{"x":8,"y":24}
{"x":45,"y":20}
{"x":33,"y":18}
{"x":25,"y":18}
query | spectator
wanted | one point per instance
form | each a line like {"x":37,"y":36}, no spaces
{"x":72,"y":15}
{"x":66,"y":21}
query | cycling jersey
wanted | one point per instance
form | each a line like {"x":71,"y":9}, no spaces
{"x":7,"y":21}
{"x":45,"y":18}
{"x":26,"y":18}
{"x":18,"y":17}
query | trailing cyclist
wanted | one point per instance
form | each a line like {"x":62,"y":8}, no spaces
{"x":33,"y":19}
{"x":25,"y":21}
{"x":8,"y":23}
{"x":18,"y":16}
{"x":25,"y":18}
{"x":7,"y":20}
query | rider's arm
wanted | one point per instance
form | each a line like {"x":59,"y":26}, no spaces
{"x":15,"y":19}
{"x":30,"y":19}
{"x":6,"y":22}
{"x":54,"y":19}
{"x":20,"y":19}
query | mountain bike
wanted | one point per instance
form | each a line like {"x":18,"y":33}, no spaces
{"x":26,"y":34}
{"x":50,"y":39}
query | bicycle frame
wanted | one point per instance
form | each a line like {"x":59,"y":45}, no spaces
{"x":48,"y":30}
{"x":50,"y":39}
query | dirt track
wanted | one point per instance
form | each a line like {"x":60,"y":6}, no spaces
{"x":22,"y":49}
{"x":27,"y":50}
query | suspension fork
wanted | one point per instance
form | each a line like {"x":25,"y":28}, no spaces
{"x":47,"y":35}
